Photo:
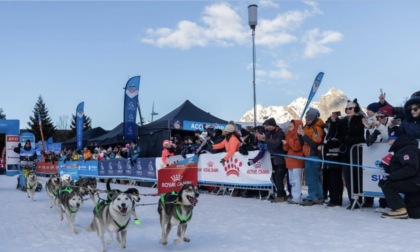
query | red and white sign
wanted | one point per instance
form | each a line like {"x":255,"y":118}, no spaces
{"x":173,"y":177}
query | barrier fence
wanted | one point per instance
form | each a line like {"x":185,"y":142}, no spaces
{"x":235,"y":173}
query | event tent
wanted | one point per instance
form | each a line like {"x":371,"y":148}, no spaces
{"x":87,"y":135}
{"x":183,"y":120}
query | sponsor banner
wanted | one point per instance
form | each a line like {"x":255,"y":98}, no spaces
{"x":46,"y":167}
{"x":173,"y":177}
{"x":69,"y":167}
{"x":88,"y":168}
{"x":146,"y":168}
{"x":235,"y":170}
{"x":79,"y":124}
{"x":191,"y":125}
{"x":130,"y":108}
{"x":112,"y":167}
{"x":372,"y":157}
{"x":12,"y":158}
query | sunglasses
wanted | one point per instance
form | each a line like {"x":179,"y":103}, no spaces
{"x":380,"y":117}
{"x":414,"y":109}
{"x":349,"y":108}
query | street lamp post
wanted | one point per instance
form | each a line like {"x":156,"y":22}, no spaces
{"x":253,"y":21}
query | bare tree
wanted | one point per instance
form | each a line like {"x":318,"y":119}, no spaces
{"x":63,"y":122}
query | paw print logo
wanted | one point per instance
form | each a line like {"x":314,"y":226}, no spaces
{"x":258,"y":164}
{"x":232,"y":166}
{"x":210,"y":164}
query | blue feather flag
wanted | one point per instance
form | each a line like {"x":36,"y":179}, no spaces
{"x":315,"y":86}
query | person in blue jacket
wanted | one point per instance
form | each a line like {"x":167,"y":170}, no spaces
{"x":27,"y":154}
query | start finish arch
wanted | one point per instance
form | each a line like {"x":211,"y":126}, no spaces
{"x":11,"y":129}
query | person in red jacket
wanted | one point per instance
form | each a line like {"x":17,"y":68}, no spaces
{"x":294,"y":166}
{"x":167,"y":152}
{"x":231,"y":142}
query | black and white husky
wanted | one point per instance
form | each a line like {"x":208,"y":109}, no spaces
{"x":176,"y":209}
{"x":113,"y":216}
{"x":51,"y":186}
{"x":87,"y":186}
{"x":31,"y":184}
{"x":69,"y":201}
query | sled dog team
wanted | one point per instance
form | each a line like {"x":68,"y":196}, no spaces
{"x":113,"y":214}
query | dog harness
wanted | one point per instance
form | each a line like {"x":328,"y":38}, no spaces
{"x":69,"y":190}
{"x":101,"y":205}
{"x":178,"y":214}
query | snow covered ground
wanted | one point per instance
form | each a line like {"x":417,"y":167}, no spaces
{"x":219,"y":223}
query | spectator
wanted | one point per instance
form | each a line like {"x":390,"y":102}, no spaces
{"x":311,"y":137}
{"x":231,"y":143}
{"x":333,"y":173}
{"x":87,"y":155}
{"x":294,"y":166}
{"x":404,"y":177}
{"x":352,"y":129}
{"x":273,"y":137}
{"x":262,"y":145}
{"x":370,"y":121}
{"x":411,"y":124}
{"x":75,"y":156}
{"x":134,"y":152}
{"x":166,"y":152}
{"x":379,"y":131}
{"x":95,"y":153}
{"x":190,"y":147}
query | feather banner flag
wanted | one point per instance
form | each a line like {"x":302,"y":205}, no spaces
{"x":79,"y":125}
{"x":315,"y":86}
{"x":40,"y":130}
{"x":130,"y":108}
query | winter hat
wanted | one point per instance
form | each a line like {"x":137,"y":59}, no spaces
{"x":270,"y":122}
{"x":385,"y":110}
{"x":165,"y":142}
{"x":374,"y":107}
{"x":393,"y":133}
{"x":355,"y":104}
{"x":229,"y":129}
{"x":312,"y":114}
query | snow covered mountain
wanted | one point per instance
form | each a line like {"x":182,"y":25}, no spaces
{"x":333,"y":100}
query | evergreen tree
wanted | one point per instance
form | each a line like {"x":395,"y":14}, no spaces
{"x":87,"y":125}
{"x":2,"y":115}
{"x":48,"y":128}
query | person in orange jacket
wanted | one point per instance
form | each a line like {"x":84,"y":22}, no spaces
{"x":167,"y":152}
{"x":293,"y":147}
{"x":231,"y":142}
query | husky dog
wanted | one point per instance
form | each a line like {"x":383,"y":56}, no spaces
{"x":69,"y":200}
{"x":31,"y":184}
{"x":65,"y":179}
{"x":132,"y":191}
{"x":52,"y":186}
{"x":175,"y":209}
{"x":113,"y":217}
{"x":87,"y":186}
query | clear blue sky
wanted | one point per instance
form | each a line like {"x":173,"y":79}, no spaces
{"x":75,"y":51}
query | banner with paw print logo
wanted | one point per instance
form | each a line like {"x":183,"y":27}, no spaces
{"x":235,"y":170}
